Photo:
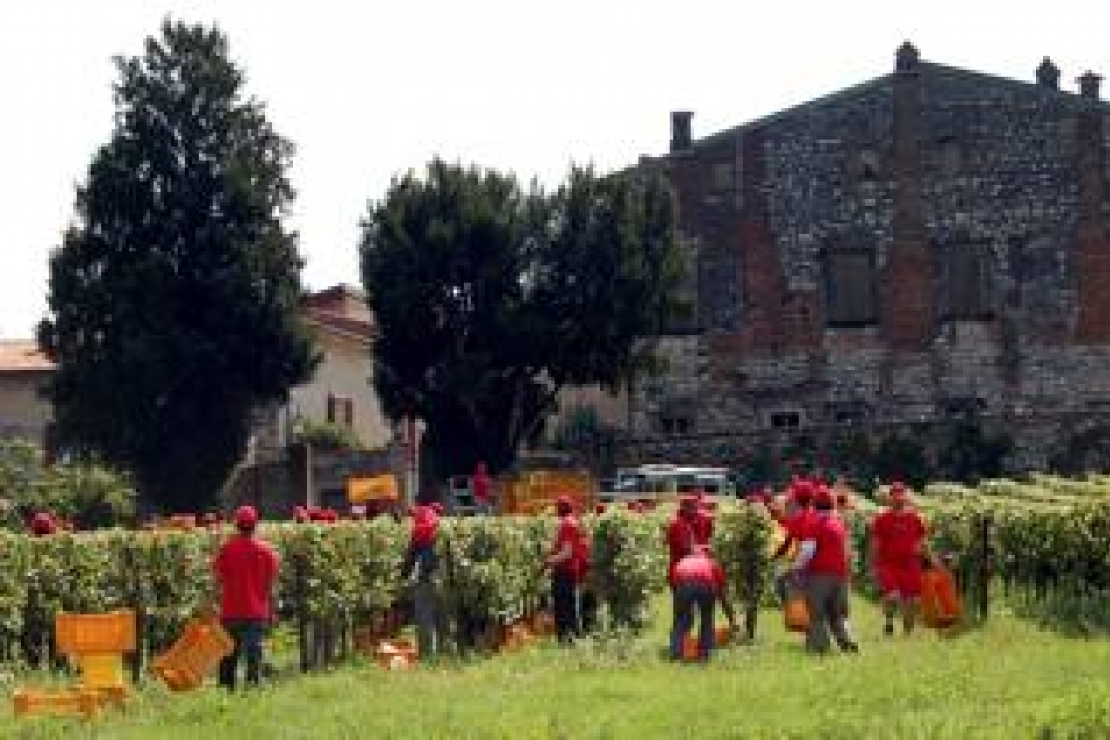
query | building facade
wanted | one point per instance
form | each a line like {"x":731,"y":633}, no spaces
{"x":930,"y":244}
{"x":24,"y":372}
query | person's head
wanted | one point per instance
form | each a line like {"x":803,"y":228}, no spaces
{"x":42,"y":524}
{"x":300,"y":514}
{"x":823,"y":499}
{"x":599,"y":509}
{"x":687,"y":507}
{"x":437,"y":507}
{"x":246,"y":519}
{"x":564,"y":506}
{"x":899,"y":496}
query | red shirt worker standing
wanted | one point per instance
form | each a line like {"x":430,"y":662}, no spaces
{"x":246,"y":569}
{"x":897,"y":546}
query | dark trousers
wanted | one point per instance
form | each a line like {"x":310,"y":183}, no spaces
{"x":689,"y":597}
{"x":248,"y":635}
{"x":564,"y":602}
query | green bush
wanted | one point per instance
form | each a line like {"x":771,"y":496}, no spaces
{"x":84,"y":492}
{"x":326,"y":435}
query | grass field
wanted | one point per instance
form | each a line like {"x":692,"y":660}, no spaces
{"x":1008,"y":680}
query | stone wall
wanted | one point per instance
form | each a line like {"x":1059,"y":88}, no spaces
{"x":924,"y":172}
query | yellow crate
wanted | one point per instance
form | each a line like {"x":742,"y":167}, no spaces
{"x":79,"y":634}
{"x":101,"y":670}
{"x":201,"y":647}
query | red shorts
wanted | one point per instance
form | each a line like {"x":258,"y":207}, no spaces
{"x":899,"y":579}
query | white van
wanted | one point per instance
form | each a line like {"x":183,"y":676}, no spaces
{"x":664,"y":482}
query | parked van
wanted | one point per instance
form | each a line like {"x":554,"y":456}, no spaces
{"x":665,"y":482}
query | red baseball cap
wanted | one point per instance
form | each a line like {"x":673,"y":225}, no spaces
{"x":42,"y":523}
{"x":246,"y":516}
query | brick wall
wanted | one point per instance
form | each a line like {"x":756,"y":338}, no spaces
{"x":922,"y":170}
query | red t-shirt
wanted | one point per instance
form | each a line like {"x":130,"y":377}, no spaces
{"x":703,"y":526}
{"x":425,"y":526}
{"x":681,"y":538}
{"x":246,"y":569}
{"x":480,"y":482}
{"x":798,"y":524}
{"x":699,"y":569}
{"x":897,"y":535}
{"x":570,"y":533}
{"x":831,"y":555}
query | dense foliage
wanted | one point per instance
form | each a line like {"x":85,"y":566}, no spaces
{"x":1053,"y":560}
{"x":490,"y":297}
{"x":82,"y":492}
{"x":174,"y":298}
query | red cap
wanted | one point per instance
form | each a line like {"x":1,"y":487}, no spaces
{"x":564,"y":502}
{"x":246,"y":517}
{"x":42,"y":523}
{"x":437,"y":507}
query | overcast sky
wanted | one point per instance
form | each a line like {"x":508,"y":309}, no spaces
{"x":366,"y":88}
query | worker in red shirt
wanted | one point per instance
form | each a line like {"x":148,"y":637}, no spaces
{"x":897,"y":548}
{"x":481,"y":486}
{"x":419,"y":567}
{"x":246,"y":569}
{"x":699,"y":583}
{"x":796,"y":521}
{"x":681,"y":534}
{"x":823,"y":565}
{"x":568,"y":562}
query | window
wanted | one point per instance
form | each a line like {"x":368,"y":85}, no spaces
{"x":850,"y":295}
{"x":341,"y":410}
{"x":868,"y":166}
{"x":785,"y":419}
{"x":676,"y":424}
{"x":722,"y":177}
{"x":965,"y":287}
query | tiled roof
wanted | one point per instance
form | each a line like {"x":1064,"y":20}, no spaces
{"x":22,"y":356}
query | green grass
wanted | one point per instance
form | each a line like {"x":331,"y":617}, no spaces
{"x":1008,"y":680}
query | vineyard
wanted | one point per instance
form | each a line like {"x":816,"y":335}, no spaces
{"x":1042,"y":545}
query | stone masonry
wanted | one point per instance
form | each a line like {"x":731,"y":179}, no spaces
{"x":974,"y":209}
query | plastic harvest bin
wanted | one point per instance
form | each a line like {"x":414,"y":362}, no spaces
{"x":201,"y":647}
{"x":87,"y":634}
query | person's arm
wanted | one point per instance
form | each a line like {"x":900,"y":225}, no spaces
{"x":561,"y":555}
{"x":806,"y":551}
{"x":784,"y":547}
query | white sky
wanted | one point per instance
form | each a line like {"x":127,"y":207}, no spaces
{"x":367,"y":88}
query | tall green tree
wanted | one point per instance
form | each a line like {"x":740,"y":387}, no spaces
{"x":174,"y":297}
{"x":490,"y":297}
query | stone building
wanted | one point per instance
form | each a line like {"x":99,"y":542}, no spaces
{"x":926,"y":245}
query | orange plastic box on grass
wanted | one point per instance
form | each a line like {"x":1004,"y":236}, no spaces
{"x":88,"y":634}
{"x":394,"y":654}
{"x":85,"y":702}
{"x":201,"y":647}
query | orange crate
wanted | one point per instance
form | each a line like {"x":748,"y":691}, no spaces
{"x":201,"y":647}
{"x":85,"y":702}
{"x":394,"y":654}
{"x":81,"y":634}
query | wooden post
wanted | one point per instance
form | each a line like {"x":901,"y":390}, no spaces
{"x":983,"y":581}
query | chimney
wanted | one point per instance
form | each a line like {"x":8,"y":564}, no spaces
{"x":1048,"y":74}
{"x":906,"y":58}
{"x":680,"y":130}
{"x":1088,"y":85}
